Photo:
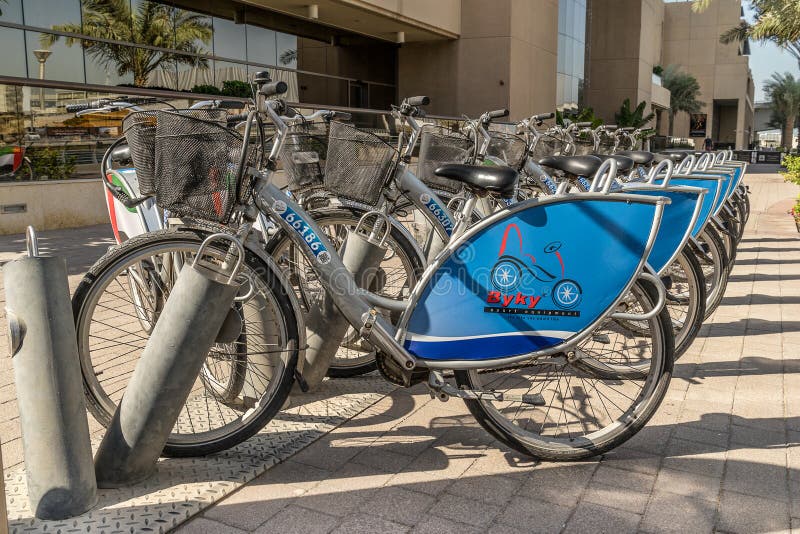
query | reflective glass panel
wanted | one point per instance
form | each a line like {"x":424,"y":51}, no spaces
{"x":61,"y":62}
{"x":12,"y":58}
{"x":229,"y":39}
{"x":261,"y":45}
{"x":64,"y":15}
{"x":11,"y":11}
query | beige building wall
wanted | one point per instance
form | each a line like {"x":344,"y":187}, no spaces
{"x":505,"y":57}
{"x":691,"y":40}
{"x":624,"y":44}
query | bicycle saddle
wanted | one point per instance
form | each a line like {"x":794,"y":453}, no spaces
{"x":577,"y":165}
{"x":677,"y":157}
{"x":624,"y":164}
{"x":500,"y":180}
{"x":642,"y":157}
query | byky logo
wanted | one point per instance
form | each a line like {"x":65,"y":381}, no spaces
{"x":521,"y":282}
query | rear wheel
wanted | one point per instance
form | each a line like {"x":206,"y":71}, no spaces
{"x":399,"y":272}
{"x":713,"y":261}
{"x":686,"y":299}
{"x":595,"y":398}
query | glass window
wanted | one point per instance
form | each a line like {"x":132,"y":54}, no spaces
{"x":287,"y":50}
{"x":11,"y":12}
{"x":193,"y":32}
{"x":229,"y":39}
{"x":562,"y":45}
{"x":12,"y":59}
{"x":196,"y":77}
{"x":108,"y":64}
{"x":261,"y":45}
{"x":225,"y":71}
{"x":61,"y":62}
{"x":64,"y":14}
{"x":562,"y":16}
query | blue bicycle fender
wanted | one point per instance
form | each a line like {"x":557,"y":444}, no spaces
{"x":530,"y":278}
{"x":725,"y":191}
{"x":678,"y":216}
{"x":712,"y":184}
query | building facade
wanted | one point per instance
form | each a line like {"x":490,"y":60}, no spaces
{"x":467,"y":55}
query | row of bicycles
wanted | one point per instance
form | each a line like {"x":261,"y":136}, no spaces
{"x":548,"y":276}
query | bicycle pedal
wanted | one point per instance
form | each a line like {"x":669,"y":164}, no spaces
{"x":601,"y":338}
{"x":301,"y":381}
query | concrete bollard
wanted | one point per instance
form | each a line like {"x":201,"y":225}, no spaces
{"x":55,"y":431}
{"x":325,"y":325}
{"x":166,"y":371}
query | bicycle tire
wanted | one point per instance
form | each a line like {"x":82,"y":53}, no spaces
{"x":572,"y":447}
{"x":179,"y":445}
{"x":715,"y":270}
{"x":697,"y":307}
{"x":413,"y":263}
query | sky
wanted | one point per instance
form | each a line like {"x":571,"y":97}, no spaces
{"x":766,"y":58}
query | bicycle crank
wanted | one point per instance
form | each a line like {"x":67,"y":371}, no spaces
{"x":443,"y":391}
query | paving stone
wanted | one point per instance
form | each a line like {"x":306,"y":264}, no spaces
{"x":669,"y":512}
{"x":600,"y":519}
{"x":398,"y":505}
{"x":535,"y":515}
{"x":465,"y":510}
{"x":620,"y":478}
{"x":746,"y":513}
{"x":688,"y":484}
{"x":253,"y":504}
{"x":495,"y":489}
{"x":298,"y":520}
{"x":440,"y":525}
{"x":201,"y":525}
{"x":367,"y":524}
{"x":630,"y":500}
{"x":632,"y":460}
{"x":561,"y":485}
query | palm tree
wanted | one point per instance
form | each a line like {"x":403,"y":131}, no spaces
{"x":777,"y":20}
{"x":151,"y":24}
{"x":684,"y":93}
{"x":783,"y":90}
{"x":288,"y":56}
{"x":626,"y":117}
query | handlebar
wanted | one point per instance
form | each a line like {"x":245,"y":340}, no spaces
{"x":497,"y":114}
{"x":273,"y":88}
{"x":238,"y":117}
{"x":417,"y":101}
{"x":74,"y":108}
{"x":543,"y":117}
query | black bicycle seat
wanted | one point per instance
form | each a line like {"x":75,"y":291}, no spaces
{"x":500,"y":180}
{"x":624,"y":164}
{"x":642,"y":157}
{"x":577,"y":165}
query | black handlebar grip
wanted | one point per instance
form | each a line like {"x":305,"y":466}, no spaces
{"x":498,"y":113}
{"x":610,"y":127}
{"x":544,"y":116}
{"x":583,"y":124}
{"x":273,"y":88}
{"x":74,"y":108}
{"x":418,"y":101}
{"x":238,"y":117}
{"x":342,"y":116}
{"x":627,"y":129}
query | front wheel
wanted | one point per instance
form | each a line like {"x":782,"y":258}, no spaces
{"x":245,"y":378}
{"x":585,"y":412}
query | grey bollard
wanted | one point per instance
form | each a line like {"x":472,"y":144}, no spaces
{"x":55,"y":431}
{"x":166,"y":372}
{"x":325,"y":326}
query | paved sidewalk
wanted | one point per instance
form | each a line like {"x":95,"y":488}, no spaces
{"x":722,"y":453}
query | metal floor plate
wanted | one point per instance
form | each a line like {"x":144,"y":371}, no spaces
{"x":182,"y":487}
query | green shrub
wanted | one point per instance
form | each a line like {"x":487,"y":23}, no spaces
{"x":792,"y":173}
{"x":50,"y":164}
{"x":237,"y":89}
{"x":206,"y":89}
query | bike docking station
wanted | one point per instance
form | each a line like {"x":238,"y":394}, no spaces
{"x":362,"y":254}
{"x":43,"y":347}
{"x":163,"y":378}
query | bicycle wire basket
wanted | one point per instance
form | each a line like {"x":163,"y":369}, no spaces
{"x":304,"y":153}
{"x":508,"y":147}
{"x":583,"y":143}
{"x":548,"y":145}
{"x":438,"y":147}
{"x":197,"y":162}
{"x":358,"y":164}
{"x":139,"y":129}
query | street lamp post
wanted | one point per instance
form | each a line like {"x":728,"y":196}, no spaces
{"x":41,"y":56}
